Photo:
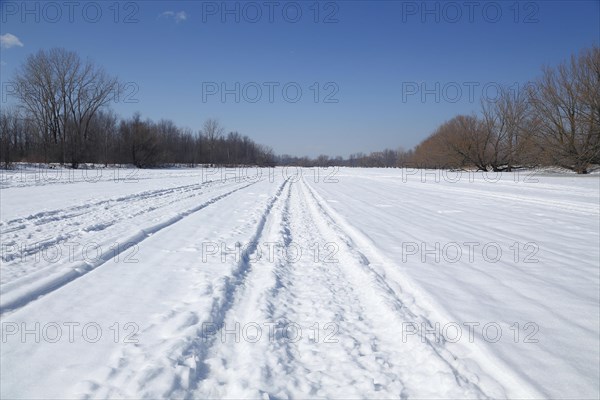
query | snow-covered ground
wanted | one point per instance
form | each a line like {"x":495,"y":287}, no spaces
{"x":289,"y":283}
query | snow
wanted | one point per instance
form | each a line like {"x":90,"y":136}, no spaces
{"x":331,"y":283}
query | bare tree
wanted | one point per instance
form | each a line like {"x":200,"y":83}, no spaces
{"x":567,"y":102}
{"x":508,"y":127}
{"x":467,"y":138}
{"x":104,"y":137}
{"x":17,"y":136}
{"x":63,"y":93}
{"x":212,"y":132}
{"x":8,"y":123}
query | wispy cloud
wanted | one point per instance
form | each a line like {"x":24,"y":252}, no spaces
{"x":9,"y":40}
{"x":2,"y":63}
{"x":177,"y":16}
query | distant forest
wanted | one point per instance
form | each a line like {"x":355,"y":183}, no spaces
{"x":63,"y":116}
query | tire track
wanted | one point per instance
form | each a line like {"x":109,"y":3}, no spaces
{"x":16,"y":297}
{"x":364,"y":361}
{"x":118,"y":209}
{"x":413,"y":360}
{"x":349,"y":360}
{"x":257,"y":287}
{"x":229,"y":290}
{"x":380,"y":271}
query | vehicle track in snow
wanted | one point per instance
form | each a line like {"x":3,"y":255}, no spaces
{"x":43,"y":229}
{"x":18,"y":293}
{"x":183,"y":355}
{"x":49,"y":239}
{"x":485,"y":372}
{"x":352,"y":302}
{"x":358,"y":351}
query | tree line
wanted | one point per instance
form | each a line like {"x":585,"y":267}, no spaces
{"x":63,"y":117}
{"x":552,"y":121}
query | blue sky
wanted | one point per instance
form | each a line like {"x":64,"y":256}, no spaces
{"x":371,"y":75}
